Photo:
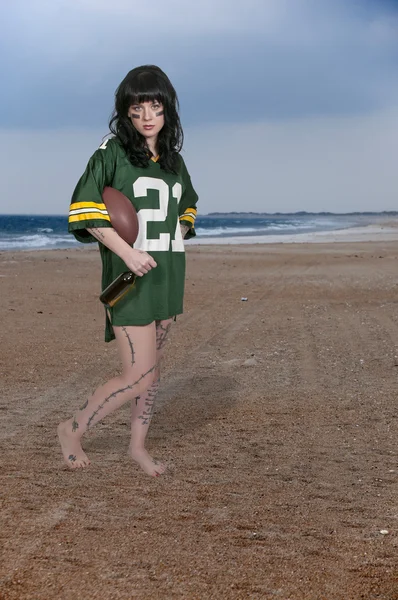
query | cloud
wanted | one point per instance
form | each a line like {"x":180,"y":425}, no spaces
{"x":287,"y":105}
{"x":334,"y":164}
{"x":228,"y":60}
{"x":282,"y":21}
{"x":176,"y":18}
{"x":337,"y":164}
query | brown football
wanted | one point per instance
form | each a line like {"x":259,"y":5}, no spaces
{"x":122,"y":214}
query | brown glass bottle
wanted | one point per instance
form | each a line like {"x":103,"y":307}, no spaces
{"x":118,"y":288}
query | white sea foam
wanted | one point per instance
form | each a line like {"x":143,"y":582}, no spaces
{"x":292,"y":227}
{"x":209,"y":230}
{"x":225,"y":230}
{"x":350,"y":234}
{"x":32,"y":242}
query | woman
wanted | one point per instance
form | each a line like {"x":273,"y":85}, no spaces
{"x":142,"y":160}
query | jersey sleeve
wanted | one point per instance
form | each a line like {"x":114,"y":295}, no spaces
{"x":187,"y":207}
{"x":87,"y":209}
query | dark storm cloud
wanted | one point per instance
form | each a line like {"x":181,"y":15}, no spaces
{"x":61,"y":63}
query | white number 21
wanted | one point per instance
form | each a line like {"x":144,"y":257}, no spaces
{"x":145,"y":215}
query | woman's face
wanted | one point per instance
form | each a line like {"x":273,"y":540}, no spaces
{"x":147,"y":118}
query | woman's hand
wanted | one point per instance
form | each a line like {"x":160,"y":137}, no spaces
{"x":139,"y":262}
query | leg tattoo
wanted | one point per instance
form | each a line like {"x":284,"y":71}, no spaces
{"x":149,"y":403}
{"x":142,"y":413}
{"x":161,"y":335}
{"x":131,"y":346}
{"x":114,"y":394}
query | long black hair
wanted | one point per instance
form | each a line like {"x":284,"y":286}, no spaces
{"x":148,"y":84}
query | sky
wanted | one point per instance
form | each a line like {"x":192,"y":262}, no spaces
{"x":287,"y":105}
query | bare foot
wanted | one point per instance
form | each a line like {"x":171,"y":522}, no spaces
{"x":146,"y":462}
{"x":73,"y":453}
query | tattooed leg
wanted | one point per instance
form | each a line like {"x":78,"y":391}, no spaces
{"x":139,"y":370}
{"x":162,"y":332}
{"x":142,"y":409}
{"x":126,"y":333}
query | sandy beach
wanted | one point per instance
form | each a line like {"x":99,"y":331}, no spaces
{"x":277,"y":417}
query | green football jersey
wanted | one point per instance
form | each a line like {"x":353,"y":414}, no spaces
{"x":162,"y":201}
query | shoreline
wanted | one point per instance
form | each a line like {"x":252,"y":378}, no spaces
{"x":369,"y":233}
{"x":374,"y":232}
{"x":366,"y":229}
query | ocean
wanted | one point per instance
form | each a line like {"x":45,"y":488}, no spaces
{"x":34,"y":232}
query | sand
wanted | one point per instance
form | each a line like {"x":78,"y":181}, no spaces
{"x":277,"y":417}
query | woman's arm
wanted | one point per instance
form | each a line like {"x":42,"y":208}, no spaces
{"x":184,"y":230}
{"x":138,"y":261}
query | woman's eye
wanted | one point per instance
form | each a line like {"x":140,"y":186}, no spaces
{"x":136,"y":108}
{"x":155,"y":106}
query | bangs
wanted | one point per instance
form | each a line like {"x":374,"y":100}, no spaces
{"x":147,"y":87}
{"x":148,"y":97}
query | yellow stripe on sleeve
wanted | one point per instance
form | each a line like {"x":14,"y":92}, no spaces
{"x":188,"y":218}
{"x":189,"y":215}
{"x":88,"y":205}
{"x":89,"y":217}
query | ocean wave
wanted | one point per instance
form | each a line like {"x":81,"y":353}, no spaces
{"x":261,"y":230}
{"x":214,"y":231}
{"x":35,"y":242}
{"x":17,"y":233}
